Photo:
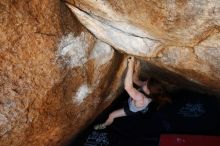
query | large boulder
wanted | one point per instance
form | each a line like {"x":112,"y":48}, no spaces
{"x":181,"y":36}
{"x":55,"y":76}
{"x":60,"y":67}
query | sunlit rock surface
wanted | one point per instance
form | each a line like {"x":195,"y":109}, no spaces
{"x":55,"y":76}
{"x":62,"y":64}
{"x":181,"y":36}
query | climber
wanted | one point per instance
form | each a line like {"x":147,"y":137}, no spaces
{"x":139,"y":100}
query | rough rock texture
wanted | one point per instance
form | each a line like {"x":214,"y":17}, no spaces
{"x":181,"y":36}
{"x":57,"y":74}
{"x":54,"y":75}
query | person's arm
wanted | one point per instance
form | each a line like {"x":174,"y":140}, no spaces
{"x":128,"y":83}
{"x":136,"y":79}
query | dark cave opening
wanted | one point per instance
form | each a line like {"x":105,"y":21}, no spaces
{"x":191,"y":113}
{"x":195,"y":110}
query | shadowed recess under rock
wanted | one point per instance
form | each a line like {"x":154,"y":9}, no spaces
{"x":191,"y":113}
{"x":63,"y":62}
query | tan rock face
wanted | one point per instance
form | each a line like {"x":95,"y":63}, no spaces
{"x":53,"y":73}
{"x":57,"y":74}
{"x":181,"y":36}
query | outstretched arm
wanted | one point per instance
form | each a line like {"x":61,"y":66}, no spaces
{"x":136,"y":79}
{"x":134,"y":93}
{"x":129,"y":76}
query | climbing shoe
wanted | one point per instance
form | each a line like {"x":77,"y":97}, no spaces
{"x":99,"y":127}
